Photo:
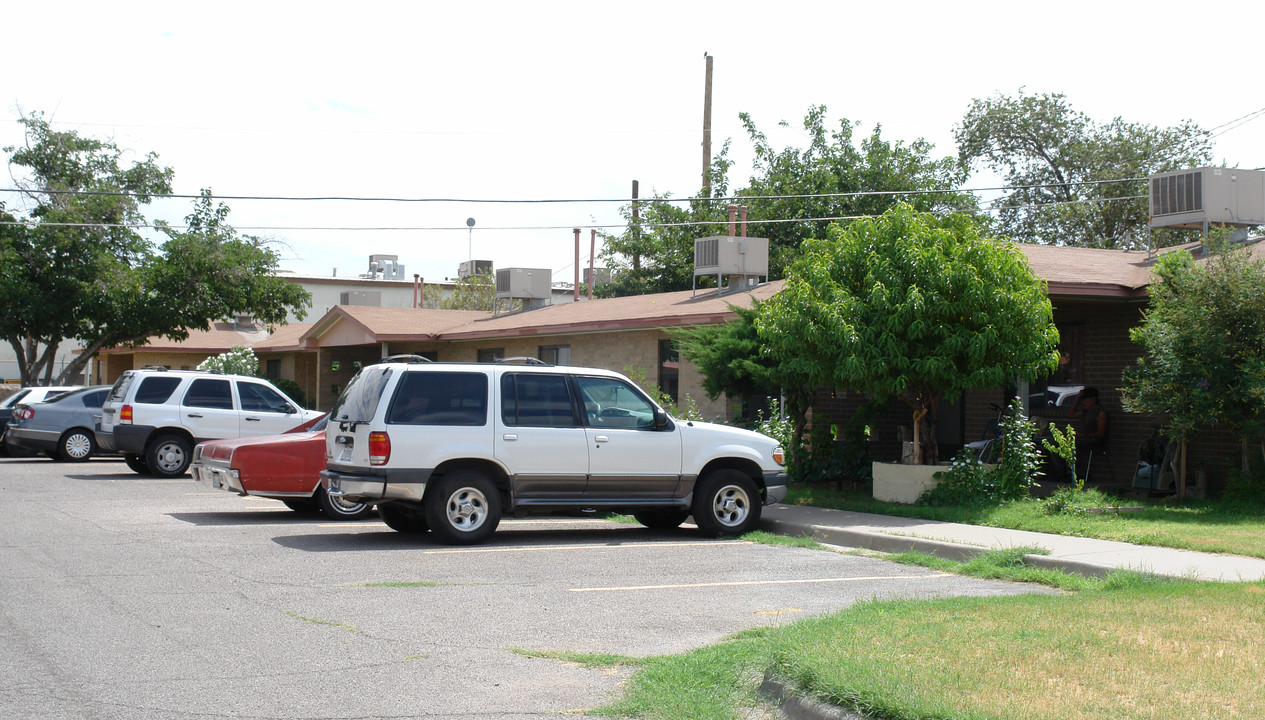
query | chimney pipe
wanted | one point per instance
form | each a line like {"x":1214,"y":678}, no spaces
{"x":576,"y":265}
{"x":744,"y":220}
{"x":592,"y":252}
{"x":733,"y":212}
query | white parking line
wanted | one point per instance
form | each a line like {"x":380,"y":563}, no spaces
{"x":545,"y":548}
{"x":759,"y":582}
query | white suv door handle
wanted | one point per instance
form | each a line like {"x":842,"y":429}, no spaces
{"x":509,"y":436}
{"x":196,"y":415}
{"x":251,"y":419}
{"x":602,"y":438}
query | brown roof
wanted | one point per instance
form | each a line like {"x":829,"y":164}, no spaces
{"x":285,"y":338}
{"x":377,"y":324}
{"x":222,"y":336}
{"x":1076,"y":271}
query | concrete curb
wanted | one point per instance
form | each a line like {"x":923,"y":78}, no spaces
{"x":794,"y":705}
{"x":883,"y":542}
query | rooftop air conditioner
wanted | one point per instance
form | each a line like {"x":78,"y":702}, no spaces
{"x":1207,"y":196}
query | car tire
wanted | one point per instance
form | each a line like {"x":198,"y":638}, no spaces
{"x":169,"y":456}
{"x":404,"y":517}
{"x":76,"y":445}
{"x":661,"y":519}
{"x":136,"y":463}
{"x":340,"y":509}
{"x":726,"y":502}
{"x":302,"y":505}
{"x":463,"y":508}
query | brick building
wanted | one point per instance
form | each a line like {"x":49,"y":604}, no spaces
{"x":1098,"y":295}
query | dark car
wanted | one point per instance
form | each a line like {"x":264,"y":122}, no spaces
{"x":62,"y":428}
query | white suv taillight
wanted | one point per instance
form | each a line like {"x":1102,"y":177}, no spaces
{"x":379,"y":448}
{"x":125,"y":415}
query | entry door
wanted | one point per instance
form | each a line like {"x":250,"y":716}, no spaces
{"x":628,"y":457}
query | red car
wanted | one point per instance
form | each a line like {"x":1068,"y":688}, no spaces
{"x":286,"y":467}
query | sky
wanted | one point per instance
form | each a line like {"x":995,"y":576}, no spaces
{"x":494,"y":101}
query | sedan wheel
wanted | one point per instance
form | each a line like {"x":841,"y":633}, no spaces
{"x":339,"y":509}
{"x":76,"y":446}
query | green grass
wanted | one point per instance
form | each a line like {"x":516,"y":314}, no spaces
{"x":591,"y":660}
{"x":768,"y":538}
{"x":1137,"y":647}
{"x":1203,"y":525}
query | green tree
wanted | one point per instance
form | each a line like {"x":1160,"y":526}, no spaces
{"x":1074,"y":181}
{"x":655,"y":251}
{"x":476,"y":292}
{"x":834,"y":177}
{"x":911,"y":306}
{"x":732,"y":361}
{"x":1203,"y":338}
{"x":76,"y":268}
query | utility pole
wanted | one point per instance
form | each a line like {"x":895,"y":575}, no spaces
{"x":636,"y":229}
{"x":707,"y":129}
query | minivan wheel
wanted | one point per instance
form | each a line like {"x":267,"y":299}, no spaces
{"x":337,"y":508}
{"x":726,"y":502}
{"x":464,"y":508}
{"x":402,"y":517}
{"x":76,"y":445}
{"x":169,"y":456}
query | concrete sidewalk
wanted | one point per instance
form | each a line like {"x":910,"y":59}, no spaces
{"x":960,"y":542}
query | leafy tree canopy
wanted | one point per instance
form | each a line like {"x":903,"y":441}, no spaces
{"x":1203,"y":336}
{"x":1063,"y":169}
{"x":833,"y":177}
{"x":76,"y":268}
{"x":911,"y":306}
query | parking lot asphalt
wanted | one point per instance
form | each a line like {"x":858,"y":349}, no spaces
{"x":135,"y":597}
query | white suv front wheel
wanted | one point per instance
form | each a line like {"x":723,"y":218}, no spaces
{"x":463,"y":508}
{"x":726,"y":502}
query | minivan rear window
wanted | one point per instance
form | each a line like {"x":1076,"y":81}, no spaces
{"x":440,"y":398}
{"x":359,"y":401}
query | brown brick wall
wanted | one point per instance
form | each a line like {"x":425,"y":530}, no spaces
{"x":1107,"y":351}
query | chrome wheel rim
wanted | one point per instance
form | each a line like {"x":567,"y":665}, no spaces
{"x":467,"y":509}
{"x":78,"y":446}
{"x":345,"y":507}
{"x":731,"y":505}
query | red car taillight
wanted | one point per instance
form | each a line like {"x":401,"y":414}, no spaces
{"x":25,"y":414}
{"x":125,"y":415}
{"x":379,"y":448}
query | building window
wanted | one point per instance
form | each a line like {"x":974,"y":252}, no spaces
{"x":555,"y":354}
{"x":669,"y":369}
{"x":491,"y":355}
{"x":272,"y":369}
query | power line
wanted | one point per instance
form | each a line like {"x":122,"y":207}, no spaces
{"x":539,"y":201}
{"x":522,"y":228}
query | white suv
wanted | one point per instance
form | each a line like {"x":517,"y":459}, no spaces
{"x":450,"y":447}
{"x":155,"y":416}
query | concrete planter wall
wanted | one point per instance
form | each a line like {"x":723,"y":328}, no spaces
{"x":899,"y":483}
